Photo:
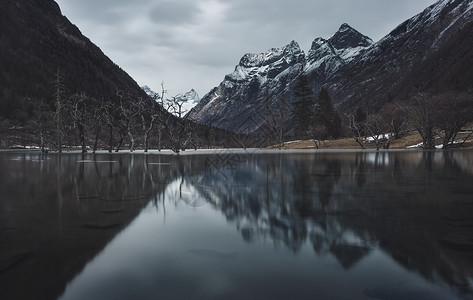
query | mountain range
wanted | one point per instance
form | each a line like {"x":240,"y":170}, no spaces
{"x":430,"y":52}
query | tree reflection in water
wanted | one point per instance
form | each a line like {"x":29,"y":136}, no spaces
{"x":58,"y":212}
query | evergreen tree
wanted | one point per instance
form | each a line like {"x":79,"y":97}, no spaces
{"x":360,"y":119}
{"x":302,"y":108}
{"x":325,"y":118}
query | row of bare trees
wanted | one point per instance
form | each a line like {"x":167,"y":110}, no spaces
{"x":438,"y":119}
{"x":87,"y":120}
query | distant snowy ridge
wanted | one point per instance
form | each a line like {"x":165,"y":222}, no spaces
{"x":189,"y":100}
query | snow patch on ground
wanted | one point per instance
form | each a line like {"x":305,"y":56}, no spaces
{"x":380,"y":137}
{"x":292,"y":142}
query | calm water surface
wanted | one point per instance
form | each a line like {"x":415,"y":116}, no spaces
{"x":237,"y":225}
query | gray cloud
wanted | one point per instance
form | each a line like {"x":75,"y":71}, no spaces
{"x":195,"y":43}
{"x":174,"y":13}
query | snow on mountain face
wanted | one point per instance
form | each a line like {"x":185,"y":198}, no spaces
{"x":423,"y":52}
{"x":267,"y":65}
{"x":351,"y":66}
{"x":150,"y":92}
{"x":327,"y":56}
{"x":237,"y":103}
{"x":190,"y":100}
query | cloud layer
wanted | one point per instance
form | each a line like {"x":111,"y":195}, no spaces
{"x":194,"y":44}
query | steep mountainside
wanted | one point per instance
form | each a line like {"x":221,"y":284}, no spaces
{"x":237,"y":103}
{"x":429,"y":52}
{"x":35,"y":41}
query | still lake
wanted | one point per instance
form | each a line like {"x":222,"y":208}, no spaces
{"x":237,"y":225}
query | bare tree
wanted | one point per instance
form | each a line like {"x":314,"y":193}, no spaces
{"x":110,"y":119}
{"x":357,"y":125}
{"x":148,"y":122}
{"x":454,"y":111}
{"x":422,"y":117}
{"x":319,"y":133}
{"x":396,"y":117}
{"x":376,"y":128}
{"x":161,"y":115}
{"x":42,"y":117}
{"x":127,"y":121}
{"x":175,"y":123}
{"x":77,"y":107}
{"x":59,"y":94}
{"x":439,"y":116}
{"x":99,"y":115}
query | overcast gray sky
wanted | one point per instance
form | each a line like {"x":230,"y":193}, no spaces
{"x":195,"y":43}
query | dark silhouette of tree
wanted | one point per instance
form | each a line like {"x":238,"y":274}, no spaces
{"x":42,"y":119}
{"x":396,"y":118}
{"x":454,"y":111}
{"x":357,"y":125}
{"x":326,"y":122}
{"x":59,"y":94}
{"x":99,"y":119}
{"x":303,"y":107}
{"x":439,"y":116}
{"x":376,"y":128}
{"x":78,"y":108}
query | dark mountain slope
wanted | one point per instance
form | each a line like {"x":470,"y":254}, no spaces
{"x":429,"y":52}
{"x":35,"y":41}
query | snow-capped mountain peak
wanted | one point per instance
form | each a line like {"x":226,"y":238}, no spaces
{"x":427,"y":51}
{"x":347,"y":37}
{"x":191,"y":97}
{"x":329,"y":55}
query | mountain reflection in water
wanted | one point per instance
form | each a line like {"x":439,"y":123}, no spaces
{"x":416,"y":206}
{"x":352,"y":210}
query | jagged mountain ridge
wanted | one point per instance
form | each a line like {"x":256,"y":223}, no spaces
{"x":235,"y":103}
{"x":429,"y":52}
{"x":241,"y":100}
{"x":35,"y":41}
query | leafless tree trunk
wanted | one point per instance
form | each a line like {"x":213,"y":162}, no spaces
{"x":422,"y":119}
{"x":42,"y":117}
{"x":59,"y":94}
{"x":175,"y":123}
{"x":357,"y":130}
{"x":77,"y":107}
{"x":127,"y":121}
{"x":376,"y":127}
